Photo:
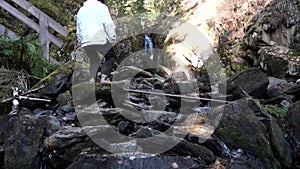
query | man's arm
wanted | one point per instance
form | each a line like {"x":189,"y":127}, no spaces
{"x":109,"y":26}
{"x":78,"y":31}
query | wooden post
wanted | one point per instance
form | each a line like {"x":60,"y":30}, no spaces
{"x":44,"y":36}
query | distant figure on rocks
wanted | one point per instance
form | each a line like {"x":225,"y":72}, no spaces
{"x":96,"y":34}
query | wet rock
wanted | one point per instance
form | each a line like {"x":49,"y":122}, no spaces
{"x":213,"y":145}
{"x":21,"y":137}
{"x":40,"y":111}
{"x":94,"y":161}
{"x":239,"y":128}
{"x":251,"y":82}
{"x":67,"y":108}
{"x":70,"y":117}
{"x":281,"y":148}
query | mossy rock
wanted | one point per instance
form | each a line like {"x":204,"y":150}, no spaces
{"x":280,"y":146}
{"x":293,"y":120}
{"x":66,"y":68}
{"x":21,"y":137}
{"x":239,"y":128}
{"x":86,"y":93}
{"x":57,"y":82}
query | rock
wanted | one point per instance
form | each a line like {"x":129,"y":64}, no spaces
{"x":185,"y":148}
{"x":94,"y":161}
{"x":70,"y":117}
{"x":295,"y":91}
{"x":57,"y":82}
{"x":269,"y":25}
{"x":239,"y":164}
{"x":273,"y":36}
{"x":293,"y":123}
{"x":240,"y":129}
{"x":65,"y":137}
{"x":2,"y":156}
{"x":279,"y":63}
{"x":21,"y":137}
{"x":67,"y":108}
{"x":64,"y":98}
{"x":213,"y":145}
{"x":281,"y":148}
{"x":252,"y":81}
{"x":129,"y":72}
{"x":40,"y":111}
{"x":277,"y":87}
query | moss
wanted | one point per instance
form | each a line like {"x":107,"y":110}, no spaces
{"x":239,"y":128}
{"x":255,"y":145}
{"x":280,"y":146}
{"x":279,"y":112}
{"x":63,"y":69}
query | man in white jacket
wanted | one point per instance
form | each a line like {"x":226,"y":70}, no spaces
{"x":96,"y":34}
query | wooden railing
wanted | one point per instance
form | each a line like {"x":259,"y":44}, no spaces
{"x":42,"y":28}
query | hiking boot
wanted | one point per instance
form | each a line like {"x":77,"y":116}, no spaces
{"x":104,"y":79}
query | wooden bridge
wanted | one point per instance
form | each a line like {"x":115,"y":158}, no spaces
{"x":42,"y":27}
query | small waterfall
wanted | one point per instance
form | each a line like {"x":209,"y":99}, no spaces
{"x":148,"y":47}
{"x":225,"y":149}
{"x":230,"y":153}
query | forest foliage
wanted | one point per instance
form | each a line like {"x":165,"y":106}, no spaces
{"x":21,"y":59}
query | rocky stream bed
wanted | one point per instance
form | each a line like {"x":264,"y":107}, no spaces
{"x":248,"y":120}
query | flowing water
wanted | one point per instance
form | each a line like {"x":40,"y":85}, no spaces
{"x":149,"y":47}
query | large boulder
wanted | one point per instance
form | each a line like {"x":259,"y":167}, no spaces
{"x":273,"y":37}
{"x":251,"y":82}
{"x":239,"y":128}
{"x":58,"y":82}
{"x":21,"y":138}
{"x":281,"y":148}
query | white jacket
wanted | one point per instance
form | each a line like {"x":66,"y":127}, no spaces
{"x":94,"y":24}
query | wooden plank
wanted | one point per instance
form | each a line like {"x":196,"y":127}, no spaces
{"x":37,"y":13}
{"x":43,"y":36}
{"x":28,"y":21}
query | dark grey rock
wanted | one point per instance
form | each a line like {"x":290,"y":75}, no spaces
{"x":40,"y":111}
{"x":281,"y":148}
{"x":293,"y":122}
{"x":252,"y":82}
{"x":21,"y":137}
{"x":273,"y":37}
{"x":161,"y":162}
{"x":240,"y":129}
